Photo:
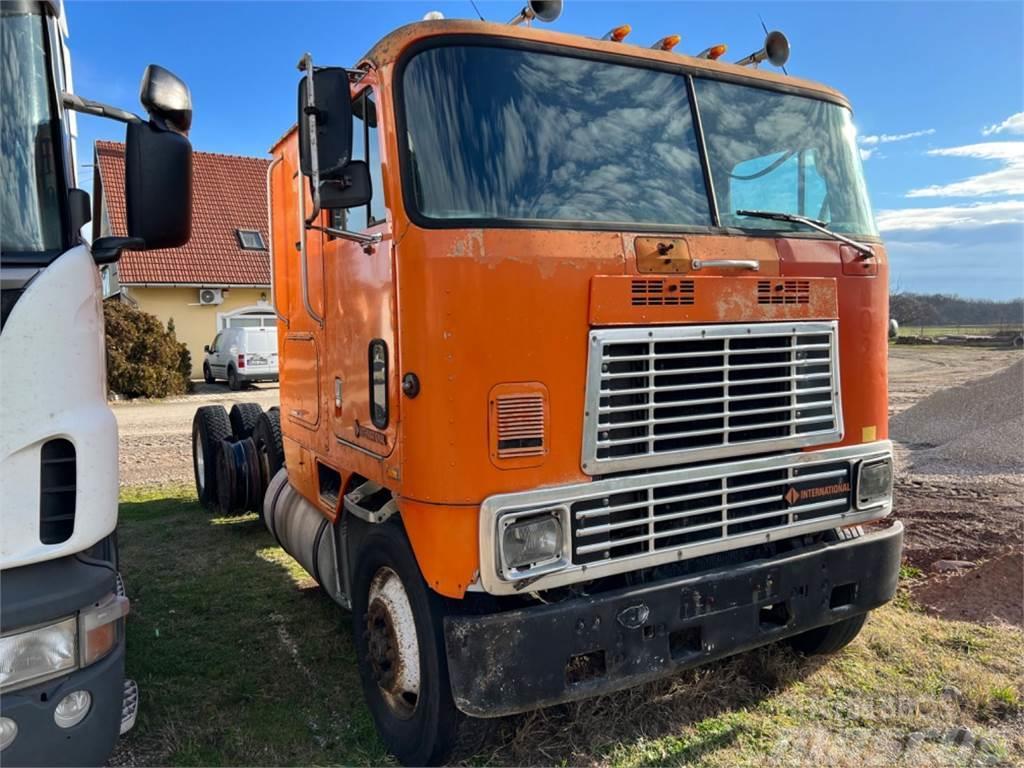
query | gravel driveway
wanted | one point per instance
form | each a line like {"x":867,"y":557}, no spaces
{"x":155,"y":435}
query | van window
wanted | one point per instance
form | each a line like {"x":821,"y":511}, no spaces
{"x":261,"y":340}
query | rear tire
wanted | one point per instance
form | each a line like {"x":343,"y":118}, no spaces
{"x":269,"y":445}
{"x":243,"y":419}
{"x":393,"y":610}
{"x":208,"y":374}
{"x":210,"y":427}
{"x":830,"y":638}
{"x":233,"y":381}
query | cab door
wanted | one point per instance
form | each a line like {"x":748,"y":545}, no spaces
{"x":361,"y":369}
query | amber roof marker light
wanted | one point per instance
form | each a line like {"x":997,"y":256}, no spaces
{"x":667,"y":43}
{"x":542,"y":10}
{"x":714,"y":53}
{"x":618,"y":34}
{"x":775,"y":51}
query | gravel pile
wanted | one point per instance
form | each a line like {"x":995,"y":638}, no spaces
{"x":977,"y":428}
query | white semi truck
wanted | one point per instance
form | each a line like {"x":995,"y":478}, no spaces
{"x":64,"y":698}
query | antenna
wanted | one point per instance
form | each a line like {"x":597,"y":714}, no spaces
{"x":471,"y":2}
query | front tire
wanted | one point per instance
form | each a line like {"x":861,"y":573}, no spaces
{"x":830,"y":638}
{"x":208,"y":374}
{"x":397,"y":624}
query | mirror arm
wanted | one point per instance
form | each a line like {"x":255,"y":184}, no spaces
{"x":89,"y":107}
{"x":306,"y":65}
{"x":367,"y":241}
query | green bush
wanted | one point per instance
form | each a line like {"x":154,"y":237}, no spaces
{"x":144,"y":359}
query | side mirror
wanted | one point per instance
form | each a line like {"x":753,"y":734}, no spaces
{"x":158,"y":186}
{"x":353,"y":189}
{"x":206,"y":348}
{"x":166,"y":98}
{"x":332,"y":107}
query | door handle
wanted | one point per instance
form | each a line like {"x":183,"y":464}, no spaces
{"x":728,"y":263}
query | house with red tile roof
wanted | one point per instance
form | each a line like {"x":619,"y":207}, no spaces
{"x":221,"y":277}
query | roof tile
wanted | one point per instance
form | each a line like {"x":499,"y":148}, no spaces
{"x":228,"y":194}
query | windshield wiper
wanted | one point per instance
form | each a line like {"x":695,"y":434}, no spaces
{"x":864,"y":250}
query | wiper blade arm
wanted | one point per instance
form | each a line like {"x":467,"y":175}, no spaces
{"x":864,"y":250}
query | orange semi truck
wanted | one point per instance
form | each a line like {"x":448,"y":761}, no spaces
{"x":583,"y":368}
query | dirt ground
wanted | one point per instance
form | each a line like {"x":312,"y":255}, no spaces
{"x":973,"y":516}
{"x":156,"y":435}
{"x":964,"y":513}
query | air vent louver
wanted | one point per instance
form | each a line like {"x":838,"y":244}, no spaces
{"x":783,"y":291}
{"x":57,"y":490}
{"x":520,"y":424}
{"x":662,"y":293}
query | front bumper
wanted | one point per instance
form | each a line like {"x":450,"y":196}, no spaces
{"x":509,"y":662}
{"x":90,"y":742}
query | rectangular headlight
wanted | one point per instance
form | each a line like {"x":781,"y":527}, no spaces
{"x":874,"y":482}
{"x":38,"y":654}
{"x":531,"y":542}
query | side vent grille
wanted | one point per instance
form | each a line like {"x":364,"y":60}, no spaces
{"x":58,"y":478}
{"x":662,"y":293}
{"x":520,"y":422}
{"x":783,"y":292}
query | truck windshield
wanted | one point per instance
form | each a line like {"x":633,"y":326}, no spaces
{"x":503,"y":134}
{"x":30,"y":214}
{"x":770,"y":151}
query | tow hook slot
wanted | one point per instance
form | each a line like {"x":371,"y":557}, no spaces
{"x":634,"y":617}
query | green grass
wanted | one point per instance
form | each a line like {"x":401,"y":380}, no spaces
{"x":243,"y":661}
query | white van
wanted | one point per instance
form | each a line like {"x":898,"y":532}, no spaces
{"x":241,"y":355}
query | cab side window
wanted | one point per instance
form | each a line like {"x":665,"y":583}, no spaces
{"x":215,"y":342}
{"x":364,"y":147}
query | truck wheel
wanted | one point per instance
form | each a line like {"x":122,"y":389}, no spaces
{"x":397,"y":623}
{"x":243,"y":419}
{"x":269,"y":446}
{"x":208,"y":374}
{"x":210,"y":427}
{"x":233,"y":381}
{"x":830,"y":638}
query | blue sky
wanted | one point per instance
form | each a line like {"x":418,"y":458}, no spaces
{"x":937,"y":90}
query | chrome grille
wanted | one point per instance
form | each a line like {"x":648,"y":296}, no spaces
{"x":673,"y":515}
{"x":658,"y":396}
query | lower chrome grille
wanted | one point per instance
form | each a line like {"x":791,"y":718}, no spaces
{"x":629,"y":522}
{"x":670,"y":515}
{"x":658,"y":396}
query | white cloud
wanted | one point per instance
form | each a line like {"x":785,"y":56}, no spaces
{"x":866,"y":153}
{"x":889,"y":138}
{"x":970,"y":216}
{"x":1008,"y":180}
{"x":1012,"y":124}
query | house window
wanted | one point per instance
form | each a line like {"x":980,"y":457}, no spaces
{"x":251,"y":240}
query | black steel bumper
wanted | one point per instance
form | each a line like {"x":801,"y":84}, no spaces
{"x":509,"y":662}
{"x":90,"y":742}
{"x":46,"y":592}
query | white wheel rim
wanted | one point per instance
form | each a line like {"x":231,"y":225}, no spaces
{"x":200,"y":465}
{"x":394,"y":649}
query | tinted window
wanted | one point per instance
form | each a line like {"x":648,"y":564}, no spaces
{"x":495,"y":133}
{"x":364,"y":147}
{"x":777,"y":152}
{"x":30,"y":216}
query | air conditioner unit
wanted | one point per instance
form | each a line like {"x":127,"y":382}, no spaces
{"x":211,"y":296}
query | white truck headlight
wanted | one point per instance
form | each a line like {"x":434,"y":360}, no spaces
{"x":532,"y":542}
{"x":38,"y":654}
{"x":874,"y":482}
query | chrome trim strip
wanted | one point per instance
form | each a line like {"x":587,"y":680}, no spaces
{"x":593,"y":410}
{"x":495,"y":506}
